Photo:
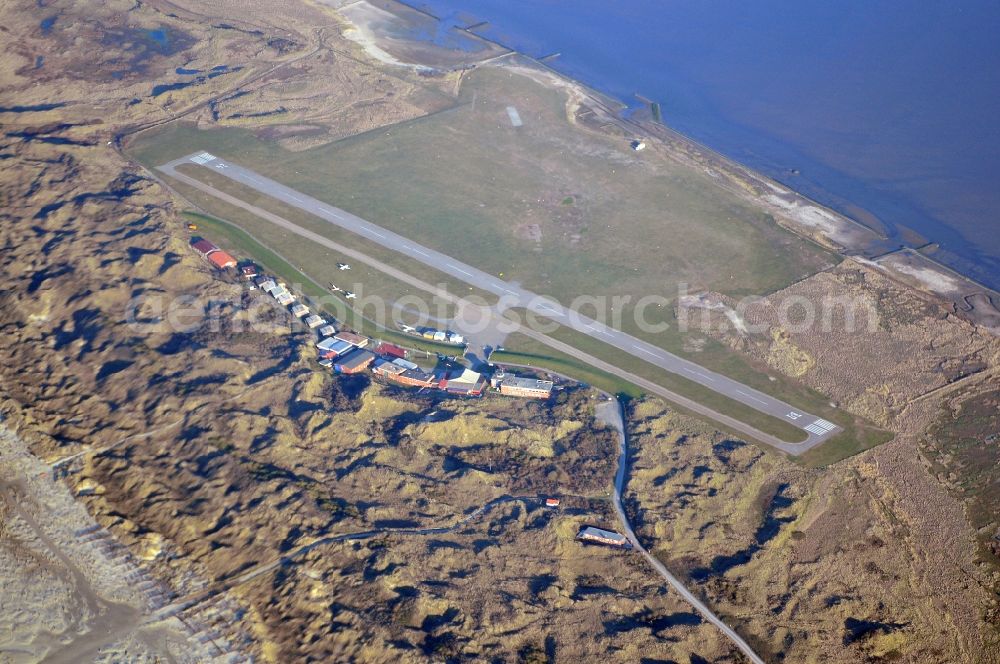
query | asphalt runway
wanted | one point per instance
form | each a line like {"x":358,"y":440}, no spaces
{"x":513,"y":296}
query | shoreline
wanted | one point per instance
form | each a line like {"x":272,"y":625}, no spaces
{"x":792,"y":210}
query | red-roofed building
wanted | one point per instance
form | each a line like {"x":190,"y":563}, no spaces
{"x":204,"y":247}
{"x":390,"y":350}
{"x":221,"y":260}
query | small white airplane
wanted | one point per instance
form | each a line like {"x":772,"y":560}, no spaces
{"x":334,"y":287}
{"x":349,"y":295}
{"x":409,"y":329}
{"x":343,"y":266}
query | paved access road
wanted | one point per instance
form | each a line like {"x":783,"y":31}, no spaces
{"x":610,"y":412}
{"x":513,"y":296}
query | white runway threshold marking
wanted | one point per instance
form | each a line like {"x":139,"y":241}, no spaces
{"x":515,"y":117}
{"x":203,"y":158}
{"x":821,"y":427}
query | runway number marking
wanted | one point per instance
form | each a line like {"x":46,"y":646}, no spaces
{"x":792,"y":415}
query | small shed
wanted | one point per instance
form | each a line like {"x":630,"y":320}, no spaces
{"x":601,"y":536}
{"x":314,"y":321}
{"x":327,"y":330}
{"x":300,"y":310}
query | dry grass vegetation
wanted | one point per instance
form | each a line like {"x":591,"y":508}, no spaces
{"x":815,"y":566}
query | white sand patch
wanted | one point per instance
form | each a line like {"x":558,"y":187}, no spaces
{"x":576,"y":94}
{"x":713,"y":302}
{"x":811,"y":216}
{"x":365,"y":20}
{"x":930,"y":278}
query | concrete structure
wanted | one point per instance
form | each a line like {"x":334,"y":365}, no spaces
{"x":354,"y":339}
{"x":518,"y":386}
{"x":354,"y":362}
{"x":300,"y":310}
{"x":327,"y":330}
{"x":605,"y":537}
{"x":314,"y":321}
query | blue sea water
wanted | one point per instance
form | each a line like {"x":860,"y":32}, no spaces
{"x":887,"y":109}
